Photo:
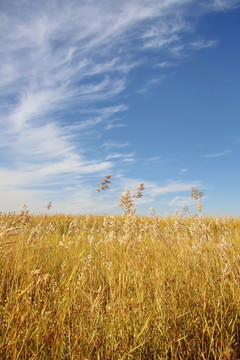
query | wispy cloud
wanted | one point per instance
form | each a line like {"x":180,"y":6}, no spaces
{"x":218,"y":154}
{"x":115,"y":123}
{"x":165,"y":64}
{"x":203,"y":44}
{"x":172,"y":187}
{"x":152,"y":82}
{"x":155,"y":158}
{"x":221,"y":5}
{"x":123,"y":157}
{"x":181,"y":201}
{"x":114,"y":145}
{"x":163,"y":34}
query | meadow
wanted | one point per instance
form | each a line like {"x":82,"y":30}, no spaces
{"x":119,"y":287}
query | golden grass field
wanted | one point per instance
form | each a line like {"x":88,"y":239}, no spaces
{"x":118,"y":288}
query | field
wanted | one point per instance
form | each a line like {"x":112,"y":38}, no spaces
{"x":118,"y":288}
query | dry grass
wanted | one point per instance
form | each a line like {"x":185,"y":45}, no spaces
{"x":111,"y":288}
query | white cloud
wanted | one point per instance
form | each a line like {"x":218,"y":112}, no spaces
{"x":172,"y":187}
{"x":181,"y":201}
{"x":203,"y":44}
{"x":165,"y":64}
{"x":112,"y":124}
{"x":155,"y":158}
{"x":164,"y":33}
{"x":114,"y":156}
{"x":114,"y":144}
{"x":120,"y":155}
{"x":221,"y":5}
{"x":218,"y":154}
{"x":128,"y":160}
{"x":151,"y":83}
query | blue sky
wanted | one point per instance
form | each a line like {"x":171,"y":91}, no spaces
{"x":147,"y":91}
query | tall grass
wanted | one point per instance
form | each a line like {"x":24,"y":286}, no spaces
{"x":118,"y":288}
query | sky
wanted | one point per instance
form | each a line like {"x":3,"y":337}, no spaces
{"x":147,"y":91}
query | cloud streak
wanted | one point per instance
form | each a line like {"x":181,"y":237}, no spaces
{"x":218,"y":154}
{"x":172,"y":187}
{"x":181,"y":201}
{"x":221,"y":5}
